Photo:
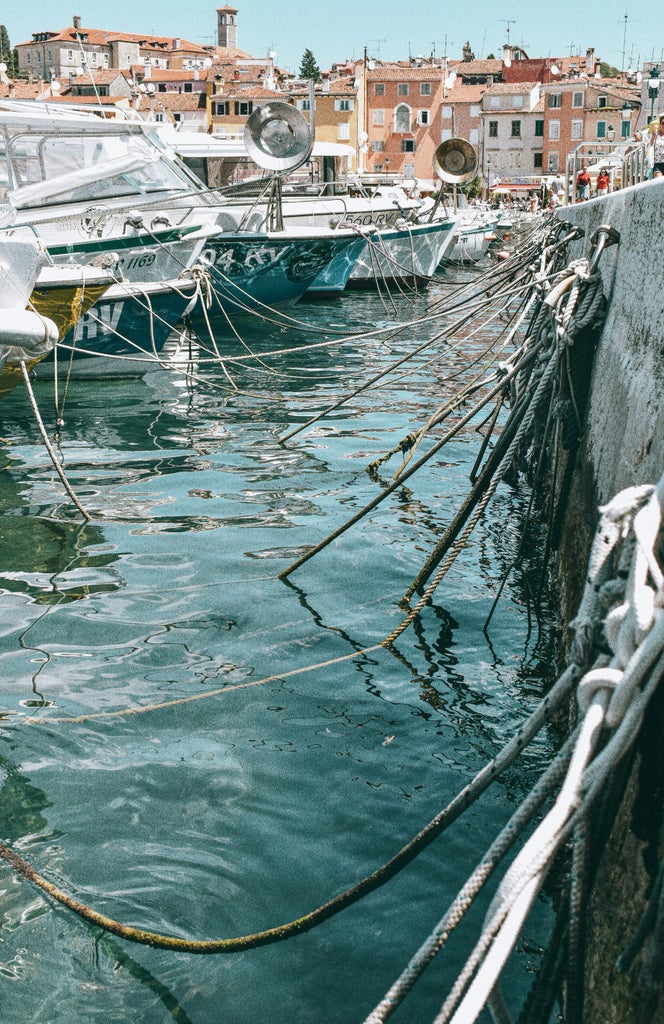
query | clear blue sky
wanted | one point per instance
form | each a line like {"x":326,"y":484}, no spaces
{"x":622,"y":34}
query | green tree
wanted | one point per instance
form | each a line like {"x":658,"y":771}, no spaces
{"x":608,"y":71}
{"x":308,"y":67}
{"x":7,"y":55}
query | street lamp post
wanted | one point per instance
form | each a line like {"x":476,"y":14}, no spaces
{"x":626,"y":116}
{"x":653,"y":90}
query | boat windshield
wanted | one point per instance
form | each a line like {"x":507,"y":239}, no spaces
{"x":41,"y":169}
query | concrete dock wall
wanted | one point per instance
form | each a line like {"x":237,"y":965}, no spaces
{"x":625,"y":443}
{"x":623,"y":446}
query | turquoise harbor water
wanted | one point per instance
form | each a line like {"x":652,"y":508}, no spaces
{"x":246,"y":809}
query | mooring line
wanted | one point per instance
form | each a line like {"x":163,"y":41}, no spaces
{"x":547,"y":707}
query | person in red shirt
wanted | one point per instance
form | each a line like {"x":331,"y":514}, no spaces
{"x":582,"y":185}
{"x":602,"y":183}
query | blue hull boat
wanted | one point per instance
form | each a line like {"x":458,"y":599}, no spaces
{"x":125,"y":331}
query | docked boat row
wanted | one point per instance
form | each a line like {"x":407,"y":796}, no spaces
{"x":115,"y":208}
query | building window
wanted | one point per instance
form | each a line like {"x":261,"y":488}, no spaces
{"x":537,"y":161}
{"x":243,"y":108}
{"x":601,"y":129}
{"x":105,"y":60}
{"x":409,"y":170}
{"x":475,"y":111}
{"x":222,"y":109}
{"x":49,"y":55}
{"x":577,"y":99}
{"x":602,"y":101}
{"x":539,"y":128}
{"x":493,"y":129}
{"x":378,"y":146}
{"x":402,"y":89}
{"x":553,"y":163}
{"x":625,"y":129}
{"x":554,"y":100}
{"x":423,"y":117}
{"x":70,"y":54}
{"x":446,"y":113}
{"x":517,"y":102}
{"x":494,"y":102}
{"x":554,"y":130}
{"x":188,"y":87}
{"x":343,"y":131}
{"x":379,"y":88}
{"x":402,"y":118}
{"x":425,"y":88}
{"x":303,"y":104}
{"x":379,"y":117}
{"x":577,"y":130}
{"x":343,"y":104}
{"x":516,"y":129}
{"x":408,"y":145}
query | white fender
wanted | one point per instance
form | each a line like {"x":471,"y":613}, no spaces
{"x":25,"y":335}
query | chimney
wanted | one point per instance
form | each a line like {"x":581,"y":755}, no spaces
{"x":77,"y":21}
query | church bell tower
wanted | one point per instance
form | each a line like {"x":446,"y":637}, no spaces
{"x":227,"y":27}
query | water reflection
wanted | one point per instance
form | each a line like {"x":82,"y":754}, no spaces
{"x":219,"y":815}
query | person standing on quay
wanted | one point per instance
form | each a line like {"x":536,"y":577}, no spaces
{"x":657,"y":143}
{"x":602,"y":182}
{"x":582,"y":185}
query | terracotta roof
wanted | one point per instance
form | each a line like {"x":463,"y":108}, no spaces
{"x":95,"y":36}
{"x":104,"y":76}
{"x":397,"y":73}
{"x":179,"y":100}
{"x":479,"y":67}
{"x":461,"y":92}
{"x":94,"y":101}
{"x":254,"y":92}
{"x":509,"y":88}
{"x":102,"y":37}
{"x":157,"y":42}
{"x":228,"y":53}
{"x":21,"y":90}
